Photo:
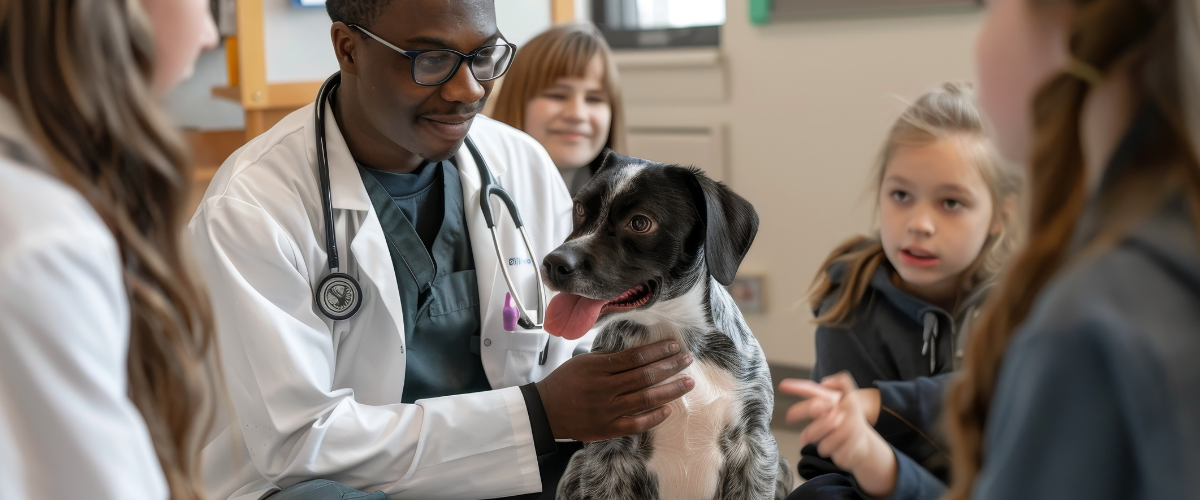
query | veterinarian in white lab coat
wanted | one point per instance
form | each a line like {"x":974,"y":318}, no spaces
{"x":370,"y":403}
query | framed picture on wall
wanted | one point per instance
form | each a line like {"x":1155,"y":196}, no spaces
{"x":765,"y":11}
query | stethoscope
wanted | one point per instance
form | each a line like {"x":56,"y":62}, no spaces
{"x":339,"y":295}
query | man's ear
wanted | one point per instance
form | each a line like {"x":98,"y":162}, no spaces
{"x":730,"y":224}
{"x":345,"y":42}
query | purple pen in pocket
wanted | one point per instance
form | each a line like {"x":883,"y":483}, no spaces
{"x":510,"y":313}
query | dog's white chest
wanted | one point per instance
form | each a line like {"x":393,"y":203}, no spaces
{"x":686,"y":455}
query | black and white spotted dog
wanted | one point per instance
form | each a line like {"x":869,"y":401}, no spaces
{"x":651,"y":248}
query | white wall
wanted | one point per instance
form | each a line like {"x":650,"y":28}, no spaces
{"x":805,"y":106}
{"x":298,"y":49}
{"x":521,"y":20}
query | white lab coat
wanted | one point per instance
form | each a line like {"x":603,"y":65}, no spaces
{"x":67,"y":426}
{"x":317,"y":398}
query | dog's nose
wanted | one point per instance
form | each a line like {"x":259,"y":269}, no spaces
{"x":560,"y":264}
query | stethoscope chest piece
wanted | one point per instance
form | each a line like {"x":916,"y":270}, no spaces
{"x":338,"y":296}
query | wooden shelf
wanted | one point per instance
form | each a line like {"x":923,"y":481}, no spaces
{"x":277,"y":95}
{"x":228,"y":93}
{"x":266,"y":107}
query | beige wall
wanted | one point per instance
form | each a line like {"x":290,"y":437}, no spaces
{"x":804,"y":106}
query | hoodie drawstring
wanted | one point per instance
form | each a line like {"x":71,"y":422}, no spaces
{"x":930,"y":336}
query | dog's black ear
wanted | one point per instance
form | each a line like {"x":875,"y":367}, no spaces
{"x":603,"y":159}
{"x":730,"y":224}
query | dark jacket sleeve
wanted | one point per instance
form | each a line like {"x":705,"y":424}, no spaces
{"x":840,"y":349}
{"x":1056,"y":430}
{"x":909,"y":419}
{"x":543,"y":435}
{"x":913,"y":482}
{"x":909,"y":415}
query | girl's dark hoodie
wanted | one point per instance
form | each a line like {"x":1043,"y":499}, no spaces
{"x":891,"y":340}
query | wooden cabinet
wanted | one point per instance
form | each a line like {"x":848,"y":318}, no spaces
{"x":264,"y":103}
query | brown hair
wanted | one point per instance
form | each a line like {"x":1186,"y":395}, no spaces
{"x":1161,"y":55}
{"x":561,"y":51}
{"x":78,"y":73}
{"x":948,"y":111}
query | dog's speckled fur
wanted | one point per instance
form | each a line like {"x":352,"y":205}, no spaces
{"x":716,"y":444}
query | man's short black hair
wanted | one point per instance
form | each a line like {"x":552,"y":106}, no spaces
{"x":360,"y":12}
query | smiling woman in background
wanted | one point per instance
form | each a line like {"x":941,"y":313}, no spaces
{"x":563,"y":90}
{"x":103,"y":380}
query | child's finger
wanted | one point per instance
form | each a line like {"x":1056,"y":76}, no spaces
{"x":842,"y":382}
{"x":832,"y":443}
{"x":809,"y":409}
{"x":821,"y":427}
{"x":805,"y":388}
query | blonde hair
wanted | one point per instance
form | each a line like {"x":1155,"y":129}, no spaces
{"x":948,"y":111}
{"x":78,"y":73}
{"x":561,"y":51}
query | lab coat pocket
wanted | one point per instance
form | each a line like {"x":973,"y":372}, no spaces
{"x":524,"y":351}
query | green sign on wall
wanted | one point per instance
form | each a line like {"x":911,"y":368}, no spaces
{"x":764,"y":11}
{"x":760,"y":11}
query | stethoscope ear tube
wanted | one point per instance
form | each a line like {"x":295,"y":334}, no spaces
{"x":486,"y":192}
{"x":490,"y":188}
{"x":338,"y":295}
{"x":327,"y":88}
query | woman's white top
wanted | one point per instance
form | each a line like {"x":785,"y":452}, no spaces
{"x":67,"y":427}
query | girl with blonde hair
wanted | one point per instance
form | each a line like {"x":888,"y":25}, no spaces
{"x":892,"y":307}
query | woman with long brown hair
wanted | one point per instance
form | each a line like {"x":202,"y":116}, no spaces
{"x":1081,"y":378}
{"x":105,"y":333}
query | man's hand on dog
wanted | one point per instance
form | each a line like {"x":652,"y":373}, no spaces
{"x":593,"y":397}
{"x":842,"y":429}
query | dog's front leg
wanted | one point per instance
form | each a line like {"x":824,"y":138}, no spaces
{"x":752,"y":465}
{"x":610,"y":470}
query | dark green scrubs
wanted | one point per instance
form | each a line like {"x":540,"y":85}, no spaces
{"x":438,"y":288}
{"x":440,"y":295}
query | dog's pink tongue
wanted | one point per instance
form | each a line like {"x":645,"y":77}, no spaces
{"x":571,"y":316}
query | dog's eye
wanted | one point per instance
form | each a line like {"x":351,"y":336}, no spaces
{"x":579,"y":211}
{"x":641,"y":224}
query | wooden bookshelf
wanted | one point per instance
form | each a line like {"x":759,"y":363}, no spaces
{"x":264,"y":103}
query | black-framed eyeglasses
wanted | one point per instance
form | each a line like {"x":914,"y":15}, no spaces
{"x":437,"y":66}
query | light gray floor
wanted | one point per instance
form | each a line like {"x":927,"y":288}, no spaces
{"x":787,"y":436}
{"x":789,"y":448}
